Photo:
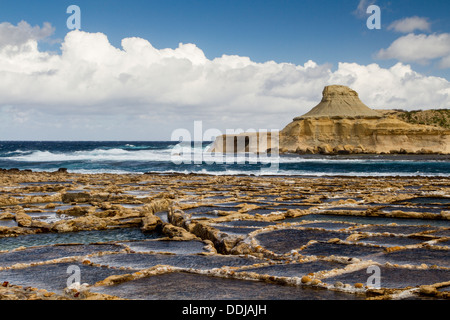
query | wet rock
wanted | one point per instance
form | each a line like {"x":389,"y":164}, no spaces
{"x":306,"y":279}
{"x":177,"y":233}
{"x":75,"y":197}
{"x":115,"y":279}
{"x":23,"y":220}
{"x":75,"y":211}
{"x":5,"y":200}
{"x":394,"y":248}
{"x":325,"y":149}
{"x":428,"y":290}
{"x":228,"y":243}
{"x":81,"y":223}
{"x":244,"y":248}
{"x":355,"y":237}
{"x":157,"y":206}
{"x":207,"y":232}
{"x":150,"y":222}
{"x":20,"y":293}
{"x":6,"y":216}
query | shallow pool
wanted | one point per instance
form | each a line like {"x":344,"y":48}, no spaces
{"x":84,"y":237}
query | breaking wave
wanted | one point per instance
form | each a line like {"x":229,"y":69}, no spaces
{"x":171,"y":157}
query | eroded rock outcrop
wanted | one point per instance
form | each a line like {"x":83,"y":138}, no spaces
{"x":340,"y":102}
{"x":342,"y":124}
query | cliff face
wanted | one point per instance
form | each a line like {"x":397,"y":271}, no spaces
{"x":384,"y":135}
{"x":252,"y":142}
{"x":342,"y":124}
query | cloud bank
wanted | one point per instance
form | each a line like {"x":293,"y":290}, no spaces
{"x":17,"y":35}
{"x":410,"y":24}
{"x":419,"y":48}
{"x":94,"y":88}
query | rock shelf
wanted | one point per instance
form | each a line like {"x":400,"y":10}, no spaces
{"x":254,"y":237}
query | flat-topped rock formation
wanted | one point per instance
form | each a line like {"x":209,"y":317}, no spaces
{"x":340,"y":102}
{"x":341,"y":124}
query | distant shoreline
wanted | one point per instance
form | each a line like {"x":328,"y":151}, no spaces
{"x":159,"y":157}
{"x":67,"y":174}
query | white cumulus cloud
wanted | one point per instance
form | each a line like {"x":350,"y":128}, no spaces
{"x":93,"y":90}
{"x":17,"y":35}
{"x":420,"y":48}
{"x":410,"y":24}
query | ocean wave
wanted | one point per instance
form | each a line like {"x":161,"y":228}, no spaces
{"x":172,"y":157}
{"x":114,"y":154}
{"x":188,"y":154}
{"x":16,"y":152}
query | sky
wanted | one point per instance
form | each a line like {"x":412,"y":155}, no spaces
{"x":141,"y":69}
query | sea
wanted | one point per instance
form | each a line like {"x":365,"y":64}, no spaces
{"x":123,"y":157}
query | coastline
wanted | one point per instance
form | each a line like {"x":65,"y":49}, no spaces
{"x":140,"y":157}
{"x":336,"y":225}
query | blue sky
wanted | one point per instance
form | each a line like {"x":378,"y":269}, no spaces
{"x":329,"y":33}
{"x":281,"y":30}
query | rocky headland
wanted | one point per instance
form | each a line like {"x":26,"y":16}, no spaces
{"x":342,"y":124}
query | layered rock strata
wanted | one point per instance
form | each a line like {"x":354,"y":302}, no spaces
{"x":342,"y":124}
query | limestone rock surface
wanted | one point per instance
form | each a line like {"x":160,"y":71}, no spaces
{"x":342,"y":124}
